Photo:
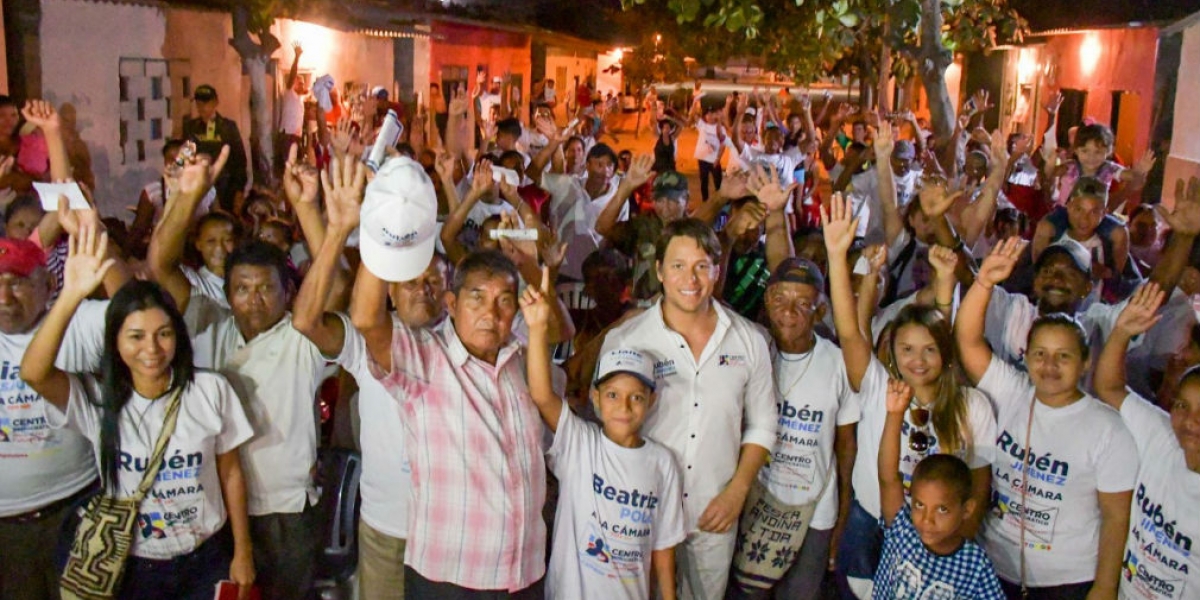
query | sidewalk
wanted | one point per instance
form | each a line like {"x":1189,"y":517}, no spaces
{"x":643,"y":143}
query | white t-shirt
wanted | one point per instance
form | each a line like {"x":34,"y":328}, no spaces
{"x":291,"y":113}
{"x":207,"y":303}
{"x":573,"y":213}
{"x":1075,"y":452}
{"x":386,"y":475}
{"x":616,"y":506}
{"x":708,"y":142}
{"x":185,"y":505}
{"x":976,"y":450}
{"x":276,"y":375}
{"x":815,"y":400}
{"x":40,"y":464}
{"x":1160,"y":562}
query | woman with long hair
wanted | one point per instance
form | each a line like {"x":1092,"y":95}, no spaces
{"x":1065,"y":463}
{"x":945,"y":417}
{"x":181,"y":541}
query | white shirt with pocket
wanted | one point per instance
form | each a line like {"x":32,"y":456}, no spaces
{"x":1074,"y":451}
{"x":816,"y":399}
{"x":616,"y":506}
{"x":185,"y":505}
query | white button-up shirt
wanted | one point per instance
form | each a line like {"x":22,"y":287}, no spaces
{"x":708,"y":408}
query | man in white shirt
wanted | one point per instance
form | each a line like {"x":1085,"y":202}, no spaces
{"x":715,"y":408}
{"x":575,"y":205}
{"x":291,"y":113}
{"x":709,"y":147}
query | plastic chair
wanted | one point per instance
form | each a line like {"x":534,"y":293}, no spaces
{"x":338,"y":473}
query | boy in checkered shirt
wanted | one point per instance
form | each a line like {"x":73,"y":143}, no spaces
{"x":924,"y":554}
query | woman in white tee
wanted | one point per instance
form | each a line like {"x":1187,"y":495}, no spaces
{"x":945,"y":417}
{"x":1159,"y":561}
{"x":177,"y":552}
{"x":1065,"y":464}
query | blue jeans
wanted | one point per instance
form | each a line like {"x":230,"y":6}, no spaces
{"x":193,"y":576}
{"x":862,"y":544}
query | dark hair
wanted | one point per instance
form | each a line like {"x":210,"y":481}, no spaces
{"x":171,"y":144}
{"x":7,"y":101}
{"x":1095,"y":132}
{"x":1190,"y":376}
{"x":572,"y":140}
{"x":116,"y":382}
{"x":510,"y":126}
{"x":692,"y":228}
{"x":512,"y":155}
{"x":606,"y":258}
{"x":257,"y":253}
{"x":283,"y":225}
{"x":1067,"y":322}
{"x":406,"y":149}
{"x":948,"y":414}
{"x":20,"y":203}
{"x":601,"y":151}
{"x":492,"y":263}
{"x":947,"y":469}
{"x":1089,"y":187}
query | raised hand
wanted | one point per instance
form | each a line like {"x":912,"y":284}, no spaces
{"x":884,"y":143}
{"x":765,"y":186}
{"x":343,"y":134}
{"x":936,"y":200}
{"x":86,"y":264}
{"x":899,"y":395}
{"x":876,"y":255}
{"x":641,"y":170}
{"x":1140,"y":312}
{"x":839,"y":226}
{"x":196,"y":175}
{"x":74,"y":221}
{"x":1000,"y":263}
{"x":41,"y":114}
{"x":999,"y":149}
{"x":482,"y":183}
{"x":535,"y":304}
{"x":458,"y":102}
{"x":943,"y":260}
{"x":552,"y":251}
{"x":6,"y":165}
{"x":444,"y":166}
{"x":300,"y":180}
{"x":1184,"y":219}
{"x":747,"y":219}
{"x":735,"y":185}
{"x":344,"y":185}
{"x":1054,"y":104}
{"x":1146,"y":163}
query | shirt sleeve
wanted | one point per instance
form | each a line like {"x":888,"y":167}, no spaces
{"x":996,"y":319}
{"x":564,"y":451}
{"x":983,"y":428}
{"x":83,"y":344}
{"x":235,"y":427}
{"x":1147,"y":423}
{"x":671,"y":532}
{"x":83,"y":415}
{"x":1004,"y":384}
{"x":1116,"y":461}
{"x":849,"y":408}
{"x":872,"y":392}
{"x":404,"y":350}
{"x":760,"y":418}
{"x":988,"y":585}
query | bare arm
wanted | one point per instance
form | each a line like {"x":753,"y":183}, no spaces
{"x":846,"y":451}
{"x":892,"y":222}
{"x":662,"y":562}
{"x":640,"y":171}
{"x":891,"y":486}
{"x":1185,"y":225}
{"x":1114,"y":527}
{"x":839,"y":227}
{"x":368,"y":312}
{"x":481,"y":185}
{"x":535,"y":305}
{"x":973,"y":351}
{"x":233,"y":493}
{"x":1138,"y":316}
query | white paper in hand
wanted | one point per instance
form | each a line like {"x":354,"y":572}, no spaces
{"x":49,"y":193}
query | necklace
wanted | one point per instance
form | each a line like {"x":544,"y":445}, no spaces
{"x":806,"y":358}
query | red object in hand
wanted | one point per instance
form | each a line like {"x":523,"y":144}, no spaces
{"x":228,"y":590}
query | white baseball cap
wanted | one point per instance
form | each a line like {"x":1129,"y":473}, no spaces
{"x":399,"y":221}
{"x":628,"y":361}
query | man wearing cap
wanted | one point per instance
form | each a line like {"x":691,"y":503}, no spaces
{"x":386,"y":478}
{"x":817,"y":412}
{"x":209,"y":130}
{"x":43,"y":471}
{"x":716,"y":397}
{"x":475,"y":527}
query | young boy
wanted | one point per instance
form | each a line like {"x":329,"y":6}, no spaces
{"x":924,"y":556}
{"x":620,"y":510}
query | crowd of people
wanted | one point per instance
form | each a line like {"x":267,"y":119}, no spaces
{"x":867,"y":362}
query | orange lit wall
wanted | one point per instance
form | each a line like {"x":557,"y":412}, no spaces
{"x":468,"y":46}
{"x":1125,"y":62}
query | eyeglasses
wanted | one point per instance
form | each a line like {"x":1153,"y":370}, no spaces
{"x":919,"y":439}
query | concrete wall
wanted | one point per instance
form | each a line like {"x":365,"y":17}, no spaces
{"x":82,"y":44}
{"x":1184,"y":160}
{"x":197,"y":48}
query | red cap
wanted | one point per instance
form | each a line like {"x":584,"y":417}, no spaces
{"x":20,"y":257}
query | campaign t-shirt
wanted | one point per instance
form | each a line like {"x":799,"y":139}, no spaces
{"x":814,"y":399}
{"x":1160,"y":561}
{"x":185,"y":505}
{"x":909,"y":570}
{"x":1073,"y":452}
{"x":40,"y":464}
{"x":975,"y":448}
{"x":616,"y":506}
{"x":708,"y":141}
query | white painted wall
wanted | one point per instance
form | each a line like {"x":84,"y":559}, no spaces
{"x":1185,"y":140}
{"x":82,"y":44}
{"x":346,"y":56}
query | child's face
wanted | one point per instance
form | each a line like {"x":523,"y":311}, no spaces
{"x":1185,"y":420}
{"x":621,"y":402}
{"x":1091,"y":155}
{"x":1084,"y":214}
{"x":937,"y":515}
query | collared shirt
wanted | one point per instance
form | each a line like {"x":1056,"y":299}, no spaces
{"x":475,"y":441}
{"x":707,"y":409}
{"x":276,"y":375}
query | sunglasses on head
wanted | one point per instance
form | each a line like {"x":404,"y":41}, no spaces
{"x":918,"y":440}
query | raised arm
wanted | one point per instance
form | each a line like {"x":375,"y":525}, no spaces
{"x":743,"y":104}
{"x":1138,"y":316}
{"x":538,"y":312}
{"x":481,"y":185}
{"x":944,"y":261}
{"x":774,"y":197}
{"x":891,"y":486}
{"x":194,"y":180}
{"x":893,"y":224}
{"x":42,"y":115}
{"x":343,"y":183}
{"x":975,"y":217}
{"x":74,"y":221}
{"x":300,"y":181}
{"x":640,"y":171}
{"x":85,"y":269}
{"x":973,"y":351}
{"x":1184,"y":221}
{"x":839,"y":225}
{"x":368,"y":313}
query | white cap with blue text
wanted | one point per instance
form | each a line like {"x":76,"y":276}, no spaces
{"x":399,"y":221}
{"x":628,"y":361}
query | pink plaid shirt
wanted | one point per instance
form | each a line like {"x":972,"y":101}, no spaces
{"x":474,"y":440}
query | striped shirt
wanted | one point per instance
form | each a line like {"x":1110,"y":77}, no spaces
{"x":475,"y":444}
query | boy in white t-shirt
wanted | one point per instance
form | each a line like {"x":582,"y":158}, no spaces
{"x":620,"y":506}
{"x":924,"y":552}
{"x":1159,"y":562}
